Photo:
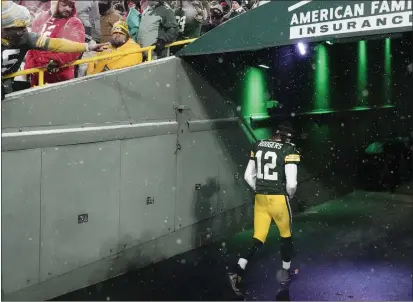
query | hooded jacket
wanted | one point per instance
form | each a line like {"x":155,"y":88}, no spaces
{"x":133,"y":20}
{"x":70,"y":28}
{"x":158,"y":22}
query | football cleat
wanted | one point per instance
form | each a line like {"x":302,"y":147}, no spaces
{"x":237,"y":283}
{"x":284,"y":276}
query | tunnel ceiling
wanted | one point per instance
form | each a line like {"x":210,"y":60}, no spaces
{"x":280,"y":23}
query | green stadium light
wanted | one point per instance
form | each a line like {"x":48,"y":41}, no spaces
{"x":321,"y":79}
{"x":254,"y":101}
{"x":362,"y":92}
{"x":387,"y":71}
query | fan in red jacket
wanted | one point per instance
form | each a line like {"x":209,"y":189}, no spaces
{"x":58,"y":22}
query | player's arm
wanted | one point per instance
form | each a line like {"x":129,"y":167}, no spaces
{"x":250,"y":174}
{"x":58,"y":45}
{"x":291,"y":162}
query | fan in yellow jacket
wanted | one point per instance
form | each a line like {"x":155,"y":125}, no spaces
{"x":119,"y":42}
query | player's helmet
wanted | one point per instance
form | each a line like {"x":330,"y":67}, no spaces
{"x":285,"y":129}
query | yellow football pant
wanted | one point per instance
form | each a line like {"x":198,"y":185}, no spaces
{"x":269,"y":207}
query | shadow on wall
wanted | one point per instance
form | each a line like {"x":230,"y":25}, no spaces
{"x":226,"y":148}
{"x":203,"y":197}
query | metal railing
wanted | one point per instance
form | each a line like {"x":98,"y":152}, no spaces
{"x":148,"y":49}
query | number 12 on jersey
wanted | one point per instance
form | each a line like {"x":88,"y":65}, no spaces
{"x":268,"y":166}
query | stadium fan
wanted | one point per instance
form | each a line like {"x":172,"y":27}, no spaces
{"x":17,"y":41}
{"x":59,"y":22}
{"x":119,"y":42}
{"x":158,"y":26}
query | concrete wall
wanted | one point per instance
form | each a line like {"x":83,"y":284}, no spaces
{"x":153,"y":155}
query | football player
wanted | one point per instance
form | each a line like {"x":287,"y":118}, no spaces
{"x":272,"y":174}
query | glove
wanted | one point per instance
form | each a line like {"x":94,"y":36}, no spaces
{"x":52,"y":66}
{"x":159,"y":47}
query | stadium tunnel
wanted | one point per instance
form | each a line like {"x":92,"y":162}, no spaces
{"x":342,"y":89}
{"x":230,"y":87}
{"x":340,"y":96}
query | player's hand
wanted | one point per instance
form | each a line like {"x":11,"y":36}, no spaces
{"x":52,"y":66}
{"x":97,"y":47}
{"x":159,"y":46}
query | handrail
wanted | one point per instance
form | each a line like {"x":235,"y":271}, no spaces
{"x":41,"y":70}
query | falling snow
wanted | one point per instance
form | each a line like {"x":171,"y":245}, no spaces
{"x":349,"y":229}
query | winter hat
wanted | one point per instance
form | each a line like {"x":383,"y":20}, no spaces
{"x":121,"y":27}
{"x":215,"y":6}
{"x":14,"y":15}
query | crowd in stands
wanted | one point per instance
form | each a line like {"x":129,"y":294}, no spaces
{"x":99,"y":27}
